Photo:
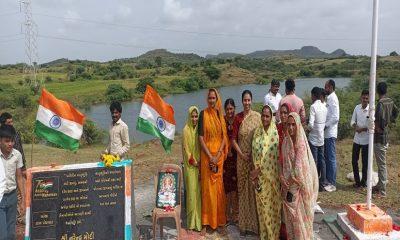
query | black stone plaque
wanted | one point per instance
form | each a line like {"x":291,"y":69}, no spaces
{"x":78,"y":204}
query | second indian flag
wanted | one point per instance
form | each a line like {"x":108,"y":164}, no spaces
{"x":157,"y":118}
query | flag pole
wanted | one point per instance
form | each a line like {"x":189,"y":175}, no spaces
{"x":372,"y":83}
{"x":33,"y":140}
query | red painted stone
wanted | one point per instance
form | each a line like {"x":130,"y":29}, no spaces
{"x":369,"y":221}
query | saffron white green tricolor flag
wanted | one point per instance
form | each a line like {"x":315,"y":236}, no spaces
{"x":157,"y":118}
{"x":59,"y":122}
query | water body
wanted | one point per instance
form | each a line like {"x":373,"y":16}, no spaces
{"x":100,"y":113}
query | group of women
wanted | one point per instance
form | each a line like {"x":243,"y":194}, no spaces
{"x":245,"y":169}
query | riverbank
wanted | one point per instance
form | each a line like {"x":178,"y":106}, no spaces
{"x":84,"y":83}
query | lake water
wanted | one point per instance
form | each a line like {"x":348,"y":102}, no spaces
{"x":100,"y":113}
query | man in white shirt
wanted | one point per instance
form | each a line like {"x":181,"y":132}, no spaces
{"x":331,"y":130}
{"x":118,"y":143}
{"x":273,"y":97}
{"x":2,"y":180}
{"x":316,"y":127}
{"x":12,"y":163}
{"x":359,"y":121}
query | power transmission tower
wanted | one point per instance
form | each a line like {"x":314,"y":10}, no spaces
{"x":30,"y":30}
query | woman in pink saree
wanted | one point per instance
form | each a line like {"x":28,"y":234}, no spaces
{"x":299,"y":181}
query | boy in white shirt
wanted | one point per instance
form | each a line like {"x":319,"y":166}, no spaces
{"x":359,"y":121}
{"x":316,"y":126}
{"x":12,"y":163}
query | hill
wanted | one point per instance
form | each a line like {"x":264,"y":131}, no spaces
{"x":223,"y":55}
{"x":304,"y":52}
{"x":166,"y":56}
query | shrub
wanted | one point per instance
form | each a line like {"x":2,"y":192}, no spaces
{"x":212,"y":72}
{"x":201,"y":81}
{"x":177,"y":66}
{"x":306,"y":72}
{"x":191,"y":84}
{"x":23,"y":99}
{"x":177,"y":83}
{"x":141,"y":86}
{"x":116,"y":92}
{"x":48,"y":79}
{"x":262,"y":80}
{"x":91,"y":134}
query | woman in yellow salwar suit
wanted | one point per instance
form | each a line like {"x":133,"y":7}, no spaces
{"x":191,"y":161}
{"x":214,"y":148}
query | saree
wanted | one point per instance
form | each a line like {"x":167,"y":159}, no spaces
{"x":230,"y":178}
{"x":247,"y":201}
{"x":282,"y":131}
{"x":212,"y":187}
{"x":268,"y":198}
{"x":191,"y":150}
{"x":299,"y":177}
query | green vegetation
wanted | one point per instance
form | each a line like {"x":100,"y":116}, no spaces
{"x":84,"y":83}
{"x":116,"y":92}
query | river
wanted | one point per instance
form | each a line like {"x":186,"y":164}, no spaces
{"x":100,"y":113}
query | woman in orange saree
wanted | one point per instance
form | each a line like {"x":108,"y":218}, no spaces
{"x":214,"y":149}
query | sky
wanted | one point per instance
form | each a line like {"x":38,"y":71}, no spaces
{"x":104,"y":30}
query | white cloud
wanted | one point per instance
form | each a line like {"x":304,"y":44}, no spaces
{"x":72,"y":17}
{"x":311,"y":19}
{"x":108,"y":17}
{"x":124,"y":11}
{"x":61,"y":31}
{"x":174,"y":10}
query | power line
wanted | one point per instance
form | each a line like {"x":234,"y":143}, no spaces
{"x":120,"y":44}
{"x":11,"y":40}
{"x":10,"y":35}
{"x":146,"y":28}
{"x":8,"y":14}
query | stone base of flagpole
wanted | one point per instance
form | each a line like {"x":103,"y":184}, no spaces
{"x":362,"y":223}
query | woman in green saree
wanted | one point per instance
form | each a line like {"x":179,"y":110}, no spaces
{"x":191,"y":161}
{"x":265,"y":176}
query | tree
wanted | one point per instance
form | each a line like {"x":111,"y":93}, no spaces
{"x":393,"y":54}
{"x":116,"y":92}
{"x":212,"y":72}
{"x":158,"y":61}
{"x":141,"y":86}
{"x":306,"y":72}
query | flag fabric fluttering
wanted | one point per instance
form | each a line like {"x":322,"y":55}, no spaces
{"x":157,"y":118}
{"x":59,"y":122}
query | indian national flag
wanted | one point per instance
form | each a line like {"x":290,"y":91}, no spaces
{"x":59,"y":122}
{"x":157,"y":118}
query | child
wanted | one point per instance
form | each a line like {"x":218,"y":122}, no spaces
{"x":12,"y":162}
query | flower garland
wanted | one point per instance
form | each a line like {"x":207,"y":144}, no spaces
{"x":109,"y":159}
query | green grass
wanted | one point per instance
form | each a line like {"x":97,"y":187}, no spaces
{"x":346,"y":194}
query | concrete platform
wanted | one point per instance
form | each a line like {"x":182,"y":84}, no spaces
{"x":372,"y":220}
{"x":355,"y":234}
